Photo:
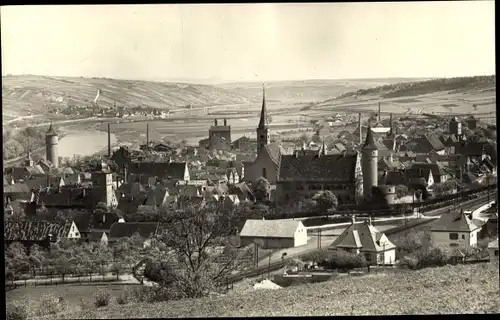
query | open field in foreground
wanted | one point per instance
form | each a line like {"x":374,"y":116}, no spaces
{"x":444,"y":290}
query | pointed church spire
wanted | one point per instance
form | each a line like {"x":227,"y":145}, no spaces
{"x":370,"y":141}
{"x":263,"y":112}
{"x":51,"y":131}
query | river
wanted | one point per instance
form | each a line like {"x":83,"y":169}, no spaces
{"x":84,"y":143}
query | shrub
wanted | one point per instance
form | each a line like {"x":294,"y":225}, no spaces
{"x":409,"y":262}
{"x":50,"y":305}
{"x":319,"y":256}
{"x":123,"y":297}
{"x":433,"y":258}
{"x":102,"y":298}
{"x":16,"y":311}
{"x":344,"y":261}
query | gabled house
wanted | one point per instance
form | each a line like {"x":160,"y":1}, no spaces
{"x":363,"y":238}
{"x":164,"y":170}
{"x":493,"y":249}
{"x":242,"y":191}
{"x":147,"y":230}
{"x":438,"y":173}
{"x":419,"y":176}
{"x":303,"y":175}
{"x":269,"y":234}
{"x":17,"y":191}
{"x":40,"y":233}
{"x":454,"y":229}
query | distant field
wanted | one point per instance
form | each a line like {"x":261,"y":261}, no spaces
{"x":443,"y":290}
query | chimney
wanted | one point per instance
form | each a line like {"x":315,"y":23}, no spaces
{"x":109,"y":140}
{"x":360,"y":130}
{"x":215,"y":122}
{"x":147,"y":134}
{"x":379,"y":112}
{"x":125,"y":174}
{"x":225,"y":122}
{"x":104,"y":217}
{"x":353,"y":219}
{"x":390,"y":125}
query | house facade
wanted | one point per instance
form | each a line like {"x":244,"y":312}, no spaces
{"x":273,"y":234}
{"x":454,"y":230}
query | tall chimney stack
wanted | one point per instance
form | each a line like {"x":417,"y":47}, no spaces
{"x":379,"y":112}
{"x":109,"y":140}
{"x":390,"y":125}
{"x":360,"y":130}
{"x":215,"y":122}
{"x":225,"y":122}
{"x":147,"y":134}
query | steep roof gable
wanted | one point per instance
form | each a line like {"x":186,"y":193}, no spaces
{"x":457,"y":221}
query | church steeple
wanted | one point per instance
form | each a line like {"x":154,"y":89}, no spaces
{"x":263,"y":111}
{"x":263,"y":130}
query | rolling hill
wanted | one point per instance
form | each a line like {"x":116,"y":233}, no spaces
{"x":22,"y":95}
{"x":307,"y":90}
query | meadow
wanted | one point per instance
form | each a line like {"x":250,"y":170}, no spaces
{"x":456,"y":289}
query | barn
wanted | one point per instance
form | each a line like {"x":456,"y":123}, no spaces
{"x":273,"y":234}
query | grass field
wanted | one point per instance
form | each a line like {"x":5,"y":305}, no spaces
{"x":443,"y":290}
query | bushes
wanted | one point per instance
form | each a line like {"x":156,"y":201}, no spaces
{"x":50,"y":305}
{"x":319,"y":256}
{"x":16,"y":310}
{"x":344,"y":261}
{"x":102,"y":298}
{"x":124,"y":296}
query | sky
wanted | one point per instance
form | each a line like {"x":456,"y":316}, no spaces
{"x":251,"y":42}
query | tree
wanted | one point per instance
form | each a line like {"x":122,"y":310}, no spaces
{"x":36,"y":258}
{"x":261,"y":189}
{"x":195,"y":237}
{"x":326,"y":201}
{"x":401,"y":190}
{"x":16,"y":259}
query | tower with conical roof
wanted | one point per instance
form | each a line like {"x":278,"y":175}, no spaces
{"x":263,"y":137}
{"x":369,"y":163}
{"x":51,"y":146}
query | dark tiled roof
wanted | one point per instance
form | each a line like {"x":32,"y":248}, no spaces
{"x":433,"y":141}
{"x":43,"y":181}
{"x":189,"y":191}
{"x":128,"y":229}
{"x":242,"y":191}
{"x":331,"y":167}
{"x":434,"y":167}
{"x":274,"y":152}
{"x":173,"y":170}
{"x":34,"y":230}
{"x":17,"y":188}
{"x":65,"y":196}
{"x":395,"y":178}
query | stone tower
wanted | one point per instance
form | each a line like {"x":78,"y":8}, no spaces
{"x":369,"y":163}
{"x":263,"y":130}
{"x":51,"y":147}
{"x":455,"y":126}
{"x":102,"y":185}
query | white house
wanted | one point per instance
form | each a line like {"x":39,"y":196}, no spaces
{"x":454,"y":230}
{"x":273,"y":233}
{"x":493,"y":249}
{"x":363,"y":238}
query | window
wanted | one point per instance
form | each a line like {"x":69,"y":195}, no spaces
{"x":453,"y":244}
{"x":453,"y":236}
{"x":496,"y":253}
{"x":463,"y":236}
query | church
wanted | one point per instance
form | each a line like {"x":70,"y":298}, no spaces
{"x":302,"y":174}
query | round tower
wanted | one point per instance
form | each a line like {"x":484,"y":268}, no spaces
{"x":389,"y":193}
{"x":51,"y":147}
{"x":369,"y":163}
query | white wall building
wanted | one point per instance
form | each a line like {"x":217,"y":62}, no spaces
{"x":454,"y":230}
{"x":273,"y":233}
